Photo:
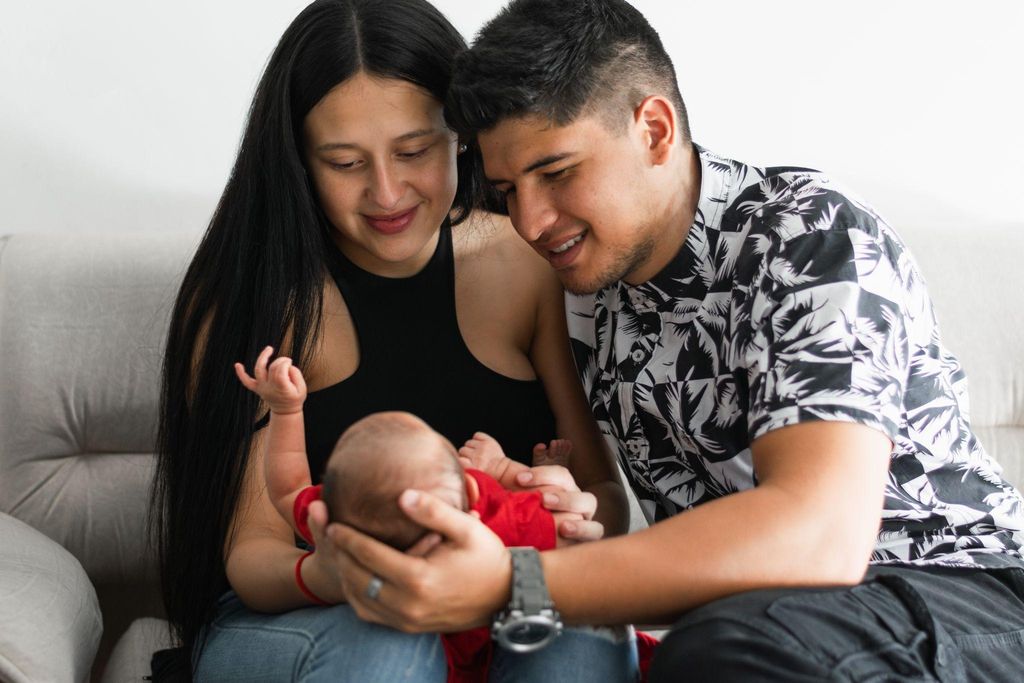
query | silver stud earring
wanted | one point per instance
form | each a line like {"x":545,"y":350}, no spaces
{"x":463,"y":147}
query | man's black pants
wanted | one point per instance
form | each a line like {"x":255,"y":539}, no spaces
{"x":899,"y":624}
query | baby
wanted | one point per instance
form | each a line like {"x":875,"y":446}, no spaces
{"x":375,"y":459}
{"x":382,"y":455}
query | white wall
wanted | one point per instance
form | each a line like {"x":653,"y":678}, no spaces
{"x":126,"y":114}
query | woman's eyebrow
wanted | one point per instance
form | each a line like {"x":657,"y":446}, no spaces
{"x":422,"y":132}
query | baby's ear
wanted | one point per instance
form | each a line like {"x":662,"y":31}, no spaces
{"x":472,"y":489}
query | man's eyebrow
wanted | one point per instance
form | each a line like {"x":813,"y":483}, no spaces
{"x":546,"y":161}
{"x":422,"y":132}
{"x":539,"y":163}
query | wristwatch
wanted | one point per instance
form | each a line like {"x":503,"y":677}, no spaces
{"x":530,"y":621}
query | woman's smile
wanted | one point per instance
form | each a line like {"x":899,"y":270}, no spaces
{"x":392,"y":224}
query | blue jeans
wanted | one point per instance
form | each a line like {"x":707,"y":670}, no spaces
{"x":333,"y":644}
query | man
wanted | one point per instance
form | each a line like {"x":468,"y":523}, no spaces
{"x":763,"y":351}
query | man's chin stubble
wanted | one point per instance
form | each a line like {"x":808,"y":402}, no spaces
{"x":619,"y":270}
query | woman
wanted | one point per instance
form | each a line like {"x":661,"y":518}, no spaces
{"x":333,"y":243}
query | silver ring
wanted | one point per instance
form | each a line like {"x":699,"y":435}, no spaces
{"x":373,"y":588}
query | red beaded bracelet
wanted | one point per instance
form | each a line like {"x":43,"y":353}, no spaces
{"x":310,"y":595}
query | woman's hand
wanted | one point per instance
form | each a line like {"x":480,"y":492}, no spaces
{"x":572,"y":508}
{"x":458,"y":584}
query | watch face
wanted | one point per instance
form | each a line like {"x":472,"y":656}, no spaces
{"x":528,"y":633}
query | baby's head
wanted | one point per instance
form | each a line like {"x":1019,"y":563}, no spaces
{"x":376,"y":459}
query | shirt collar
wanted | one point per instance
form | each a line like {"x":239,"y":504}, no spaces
{"x":688,"y":275}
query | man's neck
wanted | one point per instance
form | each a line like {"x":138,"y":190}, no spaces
{"x":672,"y":223}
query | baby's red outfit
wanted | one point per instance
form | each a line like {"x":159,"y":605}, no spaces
{"x":518,"y":518}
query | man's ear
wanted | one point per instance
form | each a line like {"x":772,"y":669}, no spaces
{"x":658,"y":123}
{"x":472,"y":489}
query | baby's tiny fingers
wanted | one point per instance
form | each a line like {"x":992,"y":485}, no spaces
{"x":295,"y":375}
{"x":260,"y":369}
{"x":278,"y":371}
{"x":247,"y":381}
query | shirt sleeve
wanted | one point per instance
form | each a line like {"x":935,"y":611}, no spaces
{"x":826,"y":331}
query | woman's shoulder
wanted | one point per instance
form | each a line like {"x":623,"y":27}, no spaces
{"x":486,"y":244}
{"x":503,"y":290}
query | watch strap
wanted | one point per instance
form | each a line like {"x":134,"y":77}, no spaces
{"x":529,"y":590}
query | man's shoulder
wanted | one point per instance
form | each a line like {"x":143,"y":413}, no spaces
{"x":787,"y":202}
{"x":777,"y":202}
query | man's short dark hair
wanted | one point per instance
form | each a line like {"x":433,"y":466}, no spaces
{"x":560,"y":59}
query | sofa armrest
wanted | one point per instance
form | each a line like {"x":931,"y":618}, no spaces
{"x":50,"y":622}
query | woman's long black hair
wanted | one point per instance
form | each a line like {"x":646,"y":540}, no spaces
{"x":259,"y":271}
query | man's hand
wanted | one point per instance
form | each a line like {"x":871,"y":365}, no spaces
{"x":281,"y":385}
{"x":321,"y":571}
{"x":572,"y":508}
{"x":457,"y":585}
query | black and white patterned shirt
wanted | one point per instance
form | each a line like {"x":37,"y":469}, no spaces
{"x":791,"y":302}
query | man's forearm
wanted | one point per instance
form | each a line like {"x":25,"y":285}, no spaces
{"x":756,"y":539}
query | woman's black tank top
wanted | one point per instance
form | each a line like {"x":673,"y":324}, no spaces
{"x":412,"y":357}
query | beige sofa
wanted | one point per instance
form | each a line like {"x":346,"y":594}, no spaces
{"x":82,"y":320}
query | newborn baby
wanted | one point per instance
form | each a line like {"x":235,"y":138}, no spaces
{"x":382,"y":455}
{"x":379,"y":457}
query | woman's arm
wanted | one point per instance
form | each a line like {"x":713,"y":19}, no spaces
{"x":260,"y":553}
{"x":591,"y":463}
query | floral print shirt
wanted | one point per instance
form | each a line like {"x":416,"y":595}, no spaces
{"x":790,"y":301}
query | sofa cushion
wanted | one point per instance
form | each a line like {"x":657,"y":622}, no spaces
{"x":49,"y":612}
{"x":976,"y":283}
{"x":82,"y":324}
{"x":130,"y":660}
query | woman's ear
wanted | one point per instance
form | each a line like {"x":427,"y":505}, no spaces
{"x":472,"y":489}
{"x":658,"y":123}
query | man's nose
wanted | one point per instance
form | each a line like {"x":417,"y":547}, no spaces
{"x":532,"y":214}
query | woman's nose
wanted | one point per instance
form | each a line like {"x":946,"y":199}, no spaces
{"x":386,"y":188}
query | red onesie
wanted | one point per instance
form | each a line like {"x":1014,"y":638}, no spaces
{"x":518,"y":518}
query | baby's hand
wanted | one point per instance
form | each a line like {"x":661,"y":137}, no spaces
{"x":281,"y":386}
{"x":556,"y":454}
{"x":483,"y":453}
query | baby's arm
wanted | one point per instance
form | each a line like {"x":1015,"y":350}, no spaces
{"x":285,"y":466}
{"x":483,"y":453}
